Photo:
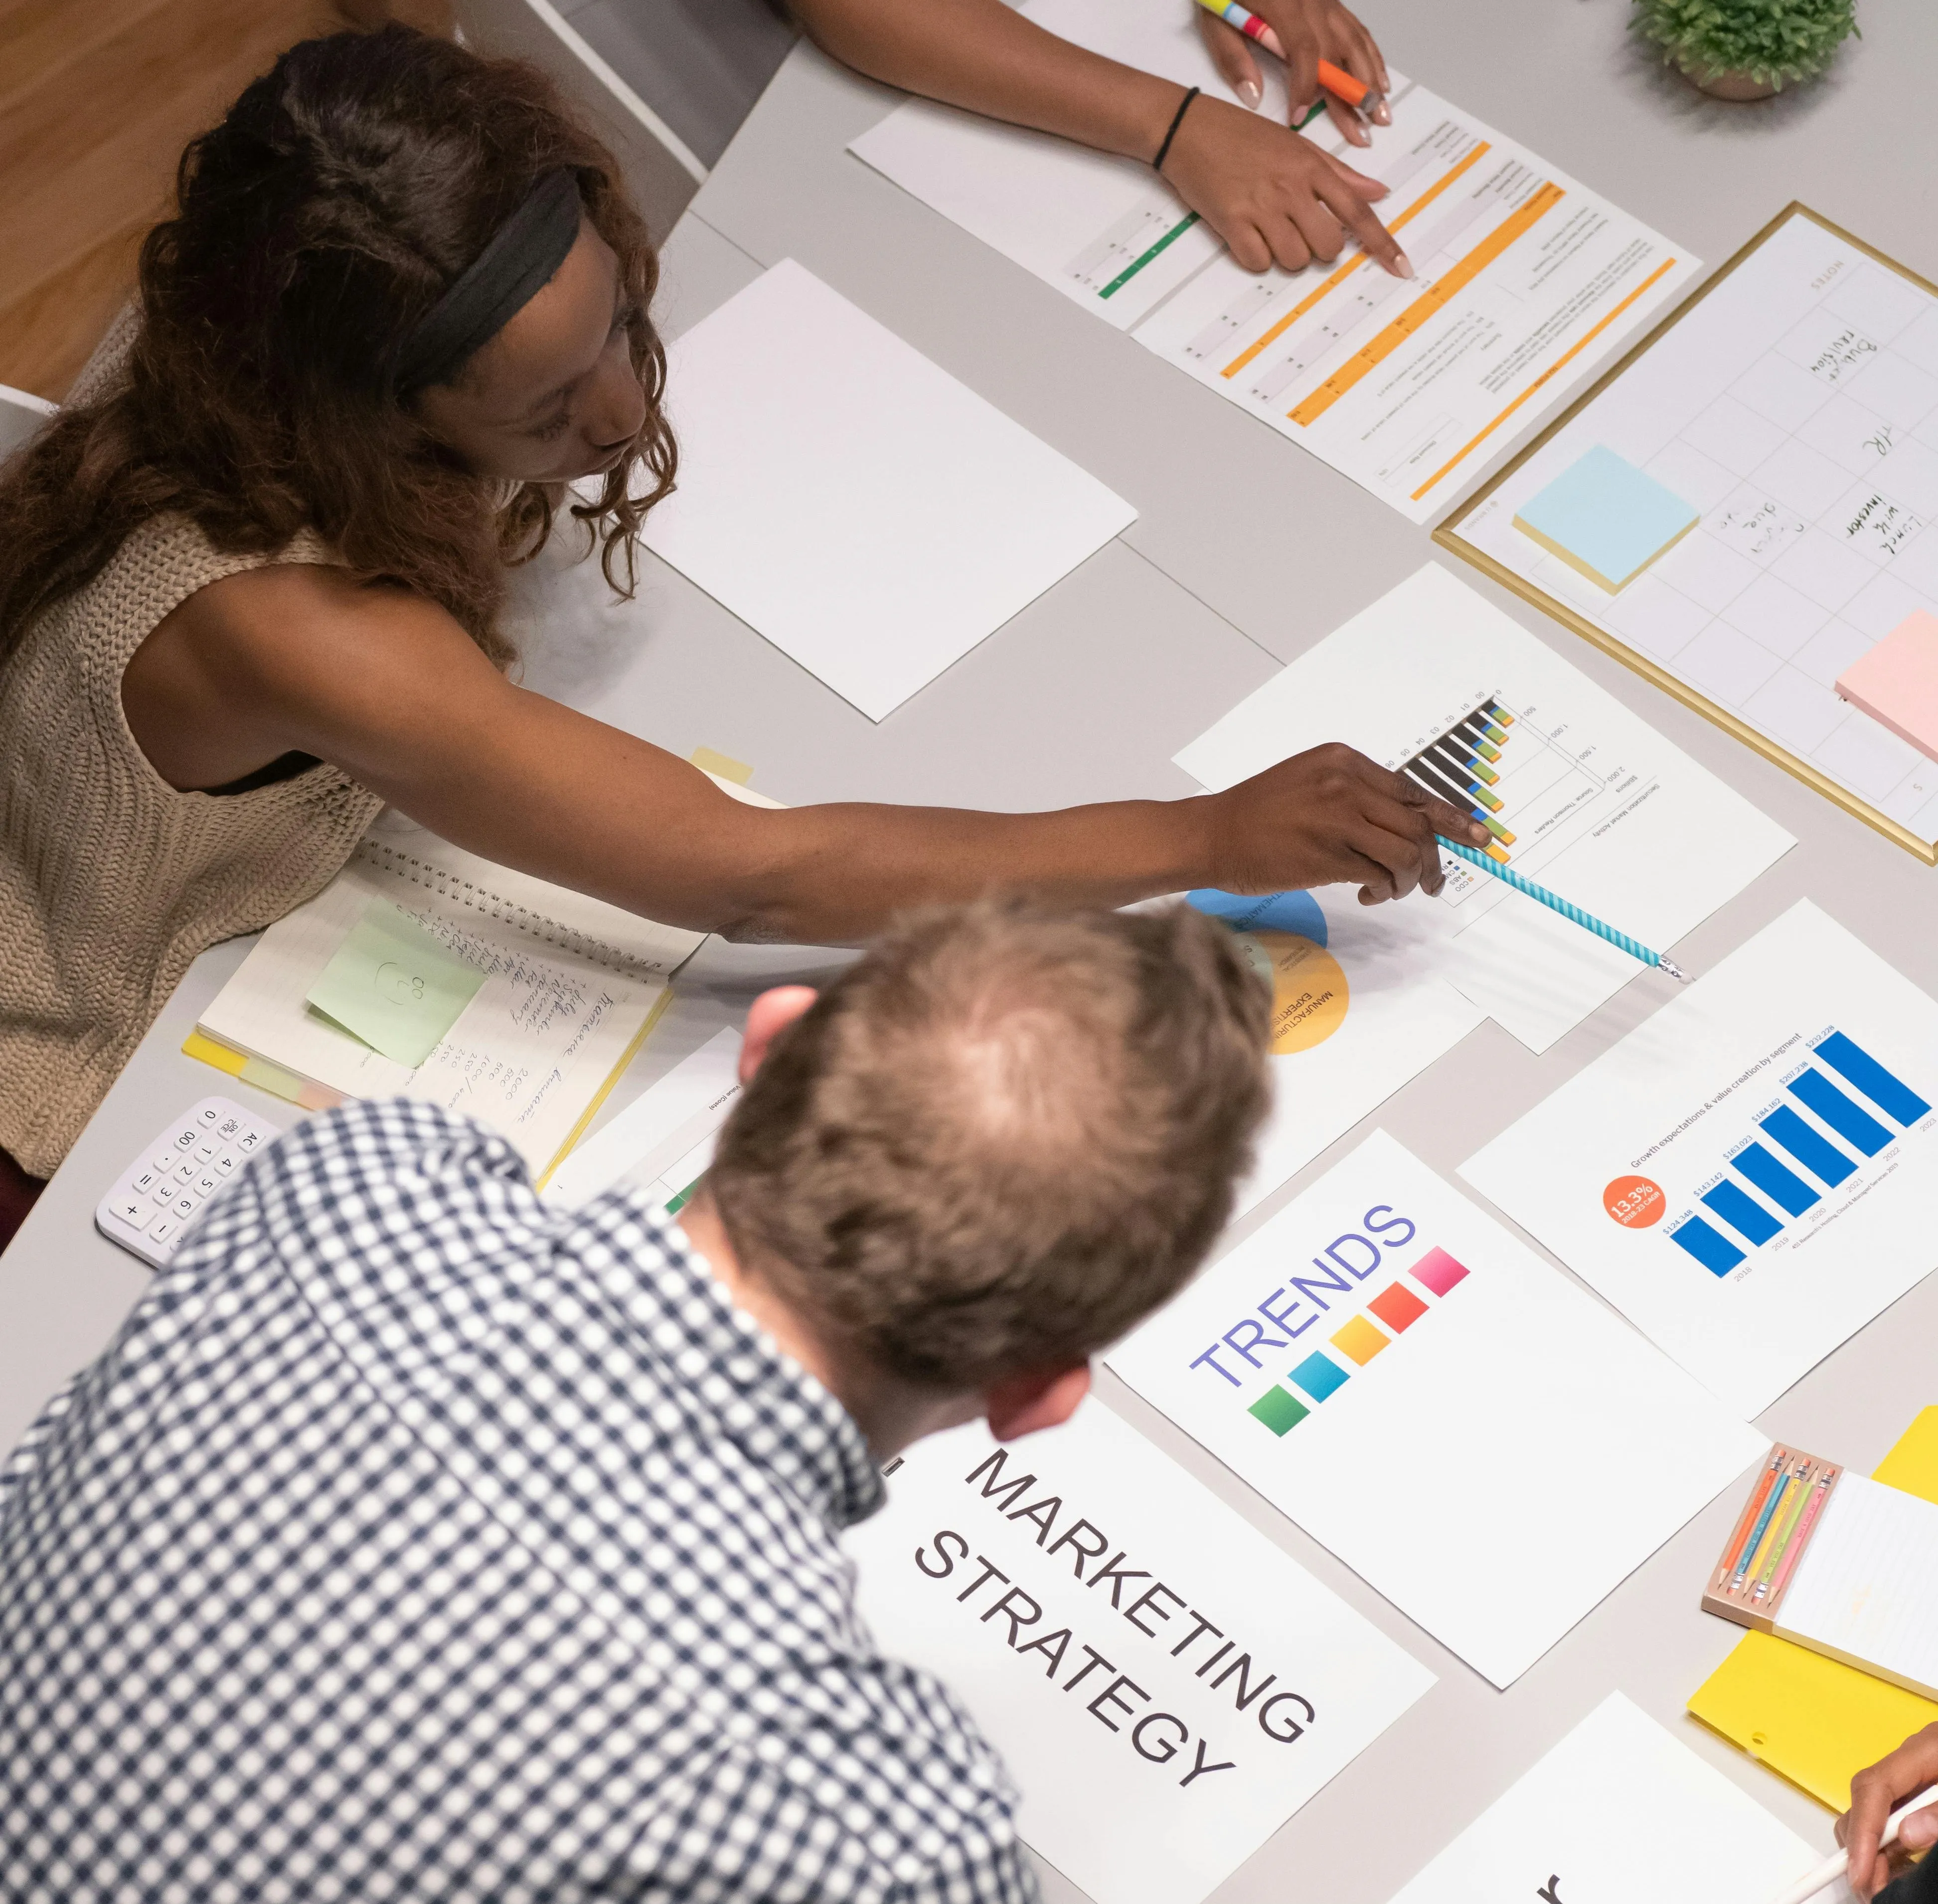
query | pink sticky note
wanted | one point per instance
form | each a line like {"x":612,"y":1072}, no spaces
{"x":1897,"y":682}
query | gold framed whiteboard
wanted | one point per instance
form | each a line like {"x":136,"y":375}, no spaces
{"x":1448,"y":536}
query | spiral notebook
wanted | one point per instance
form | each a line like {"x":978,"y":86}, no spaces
{"x":572,"y":986}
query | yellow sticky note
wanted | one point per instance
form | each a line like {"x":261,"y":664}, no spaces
{"x":1816,"y":1721}
{"x":723,"y":765}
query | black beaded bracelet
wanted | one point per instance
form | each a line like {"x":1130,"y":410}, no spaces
{"x":1176,"y":119}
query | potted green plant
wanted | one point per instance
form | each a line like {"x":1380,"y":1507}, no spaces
{"x":1746,"y":49}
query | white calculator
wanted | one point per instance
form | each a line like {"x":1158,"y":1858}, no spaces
{"x":158,"y":1197}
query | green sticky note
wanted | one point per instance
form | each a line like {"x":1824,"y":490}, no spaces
{"x":394,"y":986}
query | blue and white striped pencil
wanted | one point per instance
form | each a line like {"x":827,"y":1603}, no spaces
{"x":1555,"y":903}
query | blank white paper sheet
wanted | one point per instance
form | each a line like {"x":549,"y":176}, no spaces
{"x":1751,"y":1175}
{"x":1166,"y":1686}
{"x":1479,"y":1439}
{"x":1584,"y":797}
{"x":1620,"y":1812}
{"x":870,"y":515}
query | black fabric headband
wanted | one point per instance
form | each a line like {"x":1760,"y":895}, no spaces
{"x":517,"y":263}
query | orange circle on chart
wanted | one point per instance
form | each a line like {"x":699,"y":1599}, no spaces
{"x":1635,"y":1202}
{"x":1309,"y":989}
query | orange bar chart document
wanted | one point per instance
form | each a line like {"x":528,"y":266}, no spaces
{"x":1525,"y":283}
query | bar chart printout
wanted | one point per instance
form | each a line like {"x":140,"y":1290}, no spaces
{"x":1525,"y":282}
{"x":1464,"y":766}
{"x":1837,"y":1113}
{"x":1751,"y":1174}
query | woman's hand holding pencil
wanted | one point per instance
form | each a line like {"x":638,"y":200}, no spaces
{"x":1875,"y":1793}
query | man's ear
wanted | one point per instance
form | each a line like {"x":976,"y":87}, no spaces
{"x":1026,"y":1403}
{"x":767,"y":1017}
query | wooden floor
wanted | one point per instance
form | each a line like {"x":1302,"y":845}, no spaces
{"x":97,"y":98}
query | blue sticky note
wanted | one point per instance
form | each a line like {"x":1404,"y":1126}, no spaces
{"x":1605,"y":518}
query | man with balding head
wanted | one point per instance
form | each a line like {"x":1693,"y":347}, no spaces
{"x":416,"y":1541}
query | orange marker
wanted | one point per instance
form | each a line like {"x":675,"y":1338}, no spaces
{"x":1355,"y":92}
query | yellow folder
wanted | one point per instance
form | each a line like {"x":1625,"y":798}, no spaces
{"x":1817,"y":1721}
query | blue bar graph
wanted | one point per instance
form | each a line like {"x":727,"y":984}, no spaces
{"x":1791,"y":1159}
{"x":1844,"y":1115}
{"x":1775,"y":1179}
{"x":1741,"y":1212}
{"x":1891,"y":1095}
{"x":1709,"y":1246}
{"x":1815,"y":1152}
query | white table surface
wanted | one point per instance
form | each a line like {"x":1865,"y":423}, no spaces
{"x":1088,"y":693}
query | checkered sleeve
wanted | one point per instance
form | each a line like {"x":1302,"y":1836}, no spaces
{"x":414,"y":1540}
{"x":898,"y":1798}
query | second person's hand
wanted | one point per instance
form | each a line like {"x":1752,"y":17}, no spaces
{"x":1329,"y":816}
{"x":1875,"y":1792}
{"x":1308,"y":31}
{"x":1272,"y":197}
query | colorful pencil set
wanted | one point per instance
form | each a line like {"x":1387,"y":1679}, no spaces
{"x":1784,"y":1508}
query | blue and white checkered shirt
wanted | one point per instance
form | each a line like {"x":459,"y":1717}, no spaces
{"x":415,"y":1540}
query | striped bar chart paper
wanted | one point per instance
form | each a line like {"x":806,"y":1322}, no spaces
{"x":1379,"y":1334}
{"x":1752,"y":1174}
{"x":1438,"y":684}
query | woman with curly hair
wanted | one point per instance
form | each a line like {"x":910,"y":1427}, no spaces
{"x":250,"y":580}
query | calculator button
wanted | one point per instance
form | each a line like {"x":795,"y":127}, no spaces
{"x":228,"y":1126}
{"x":225,"y":1164}
{"x":185,"y":1139}
{"x":206,"y":1185}
{"x":205,"y":1153}
{"x":165,"y":1194}
{"x":185,"y":1172}
{"x":248,"y":1141}
{"x":209,"y":1114}
{"x":185,"y":1207}
{"x":132,"y":1210}
{"x":144,"y":1180}
{"x":163,"y":1228}
{"x":162,"y":1163}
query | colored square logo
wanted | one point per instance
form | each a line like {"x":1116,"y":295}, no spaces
{"x":1398,"y":1307}
{"x":1359,"y":1340}
{"x":1439,"y":1271}
{"x":1280,"y":1412}
{"x":1319,"y":1375}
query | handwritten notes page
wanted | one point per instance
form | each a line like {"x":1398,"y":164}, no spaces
{"x":1166,"y":1685}
{"x":1620,"y":1812}
{"x":1796,"y":406}
{"x":569,"y":984}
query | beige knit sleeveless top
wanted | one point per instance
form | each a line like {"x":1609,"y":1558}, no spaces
{"x":111,"y":881}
